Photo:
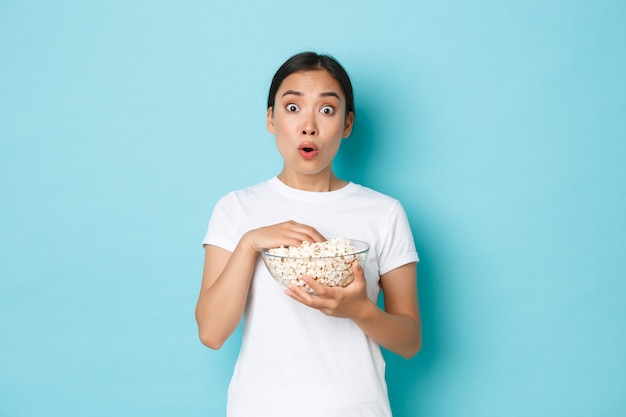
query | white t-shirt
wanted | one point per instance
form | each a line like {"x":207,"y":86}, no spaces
{"x":294,"y":360}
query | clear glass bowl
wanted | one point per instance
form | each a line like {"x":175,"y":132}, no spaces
{"x":332,"y":271}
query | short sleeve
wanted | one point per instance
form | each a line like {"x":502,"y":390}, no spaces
{"x":222,"y":225}
{"x":398,"y":246}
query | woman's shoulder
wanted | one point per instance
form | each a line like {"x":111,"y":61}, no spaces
{"x":375,"y":201}
{"x":366,"y":192}
{"x":246,"y":195}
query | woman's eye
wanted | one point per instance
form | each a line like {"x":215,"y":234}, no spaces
{"x":292,"y":107}
{"x":327,"y":110}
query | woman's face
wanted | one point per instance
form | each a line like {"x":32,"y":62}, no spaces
{"x":309,"y":121}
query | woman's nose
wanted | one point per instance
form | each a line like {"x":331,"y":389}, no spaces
{"x":309,"y":127}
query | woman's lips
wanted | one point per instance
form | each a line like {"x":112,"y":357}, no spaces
{"x":308,"y":150}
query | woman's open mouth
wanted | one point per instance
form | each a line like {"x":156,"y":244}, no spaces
{"x":308,"y":151}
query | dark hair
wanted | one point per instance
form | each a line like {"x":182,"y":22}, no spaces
{"x":306,"y":61}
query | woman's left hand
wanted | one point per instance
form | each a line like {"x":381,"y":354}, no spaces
{"x":345,"y":302}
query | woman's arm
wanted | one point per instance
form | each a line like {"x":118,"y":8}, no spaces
{"x":398,"y":328}
{"x":226,"y":277}
{"x":225,"y":283}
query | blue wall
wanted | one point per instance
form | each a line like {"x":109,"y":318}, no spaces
{"x":501,"y":127}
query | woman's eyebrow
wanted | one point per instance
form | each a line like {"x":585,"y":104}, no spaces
{"x":323,"y":94}
{"x":330,"y":94}
{"x":292,"y":92}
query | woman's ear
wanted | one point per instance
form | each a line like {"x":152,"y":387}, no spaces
{"x":347,"y":127}
{"x":270,"y":120}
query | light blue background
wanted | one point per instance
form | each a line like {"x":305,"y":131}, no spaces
{"x":501,"y":126}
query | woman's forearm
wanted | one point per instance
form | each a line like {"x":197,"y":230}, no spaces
{"x":222,"y":302}
{"x":398,"y":333}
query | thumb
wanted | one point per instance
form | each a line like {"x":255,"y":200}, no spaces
{"x":357,"y":272}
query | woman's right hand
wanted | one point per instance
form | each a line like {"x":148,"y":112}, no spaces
{"x":226,"y":277}
{"x":289,"y":233}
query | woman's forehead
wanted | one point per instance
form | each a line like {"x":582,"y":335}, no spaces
{"x":316,"y":82}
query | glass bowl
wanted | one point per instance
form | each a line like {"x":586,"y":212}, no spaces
{"x":332,"y":271}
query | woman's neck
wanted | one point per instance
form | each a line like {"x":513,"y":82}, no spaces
{"x":316,"y":183}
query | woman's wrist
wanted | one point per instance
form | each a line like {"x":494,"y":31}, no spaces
{"x":247,"y":245}
{"x":366,"y":312}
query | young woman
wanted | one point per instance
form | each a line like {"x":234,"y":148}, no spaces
{"x":302,"y":354}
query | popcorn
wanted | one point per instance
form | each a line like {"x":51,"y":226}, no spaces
{"x":330,"y":262}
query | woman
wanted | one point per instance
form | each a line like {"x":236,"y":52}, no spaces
{"x":304,"y":354}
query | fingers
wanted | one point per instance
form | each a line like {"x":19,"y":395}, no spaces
{"x":293,"y":234}
{"x":304,"y":232}
{"x":299,"y":294}
{"x":326,"y":299}
{"x":302,"y":294}
{"x":334,"y":301}
{"x":357,"y":271}
{"x":288,"y":233}
{"x":319,"y":290}
{"x":325,"y":291}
